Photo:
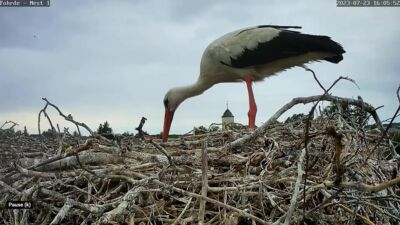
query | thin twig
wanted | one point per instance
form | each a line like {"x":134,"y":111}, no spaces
{"x":293,"y":201}
{"x":183,"y":212}
{"x":164,"y":152}
{"x":204,"y":183}
{"x":315,"y":78}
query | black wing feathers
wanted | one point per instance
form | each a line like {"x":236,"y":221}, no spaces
{"x":288,"y":44}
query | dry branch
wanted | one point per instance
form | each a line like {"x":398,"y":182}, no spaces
{"x":293,"y":201}
{"x":13,"y":124}
{"x":304,"y":100}
{"x":67,"y":118}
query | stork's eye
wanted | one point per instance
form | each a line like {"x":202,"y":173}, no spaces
{"x":166,"y":102}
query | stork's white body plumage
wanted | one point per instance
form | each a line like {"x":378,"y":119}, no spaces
{"x":252,"y":54}
{"x":232,"y":45}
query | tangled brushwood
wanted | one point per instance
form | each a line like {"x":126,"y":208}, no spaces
{"x":330,"y":169}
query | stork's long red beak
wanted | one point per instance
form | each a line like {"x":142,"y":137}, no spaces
{"x":169,"y":115}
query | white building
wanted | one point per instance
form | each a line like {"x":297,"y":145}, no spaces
{"x":227,"y":118}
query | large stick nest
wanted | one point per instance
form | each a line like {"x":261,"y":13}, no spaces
{"x":311,"y":171}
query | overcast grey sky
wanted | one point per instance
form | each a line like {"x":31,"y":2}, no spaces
{"x":114,"y":60}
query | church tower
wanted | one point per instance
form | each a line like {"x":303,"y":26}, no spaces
{"x":227,"y":117}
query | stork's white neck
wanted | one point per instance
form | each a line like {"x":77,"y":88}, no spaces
{"x":192,"y":90}
{"x":178,"y":94}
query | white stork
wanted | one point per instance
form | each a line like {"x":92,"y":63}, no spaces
{"x":252,"y":54}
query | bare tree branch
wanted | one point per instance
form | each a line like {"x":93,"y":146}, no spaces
{"x":13,"y":124}
{"x":67,"y":118}
{"x":304,"y":100}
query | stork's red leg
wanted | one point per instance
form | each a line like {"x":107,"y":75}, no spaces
{"x":252,"y":103}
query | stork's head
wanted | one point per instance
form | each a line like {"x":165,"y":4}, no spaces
{"x":172,"y":99}
{"x":175,"y":97}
